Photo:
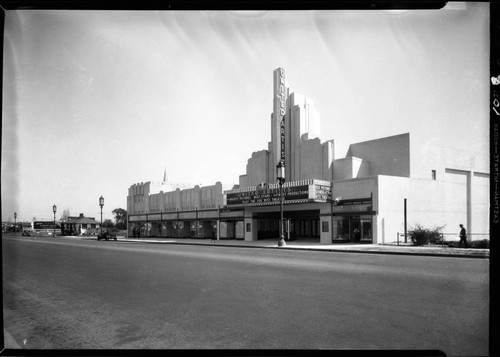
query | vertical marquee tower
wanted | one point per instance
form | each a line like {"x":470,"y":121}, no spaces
{"x":278,"y":120}
{"x":295,"y":131}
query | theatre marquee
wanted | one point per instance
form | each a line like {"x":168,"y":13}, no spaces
{"x":269,"y":194}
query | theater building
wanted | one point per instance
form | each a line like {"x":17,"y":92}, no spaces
{"x":332,"y":192}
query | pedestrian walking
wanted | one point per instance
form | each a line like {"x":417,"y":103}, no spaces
{"x":463,"y":236}
{"x":213,"y":236}
{"x":357,"y":235}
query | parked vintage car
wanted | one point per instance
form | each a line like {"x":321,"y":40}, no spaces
{"x":106,"y":236}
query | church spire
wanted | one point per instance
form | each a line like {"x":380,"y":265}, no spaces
{"x":165,"y":175}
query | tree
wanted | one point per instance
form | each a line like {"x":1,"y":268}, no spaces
{"x":65,"y":215}
{"x":107,"y":224}
{"x":120,"y":218}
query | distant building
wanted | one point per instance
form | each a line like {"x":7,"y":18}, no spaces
{"x":164,"y":209}
{"x":80,"y":225}
{"x":333,"y":192}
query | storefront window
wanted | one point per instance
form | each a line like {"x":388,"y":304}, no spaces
{"x":352,"y":228}
{"x":366,"y":225}
{"x":341,"y":228}
{"x":355,"y":230}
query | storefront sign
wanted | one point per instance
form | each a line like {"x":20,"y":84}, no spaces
{"x":323,"y":192}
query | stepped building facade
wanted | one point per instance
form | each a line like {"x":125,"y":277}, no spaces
{"x":332,"y":192}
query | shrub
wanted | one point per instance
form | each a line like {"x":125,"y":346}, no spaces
{"x":481,"y":244}
{"x":478,"y":244}
{"x":421,"y":236}
{"x":108,"y":224}
{"x":121,"y":226}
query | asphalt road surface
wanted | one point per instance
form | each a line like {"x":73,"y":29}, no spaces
{"x":63,"y":293}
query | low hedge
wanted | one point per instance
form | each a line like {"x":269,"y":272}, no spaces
{"x":478,"y":244}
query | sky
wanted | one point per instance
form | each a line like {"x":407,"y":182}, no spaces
{"x":95,"y":101}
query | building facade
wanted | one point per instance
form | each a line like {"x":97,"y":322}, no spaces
{"x":80,"y":225}
{"x":332,"y":193}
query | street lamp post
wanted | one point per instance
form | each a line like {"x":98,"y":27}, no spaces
{"x":281,"y":179}
{"x":54,"y":209}
{"x":334,"y":203}
{"x":15,"y":223}
{"x":101,"y":203}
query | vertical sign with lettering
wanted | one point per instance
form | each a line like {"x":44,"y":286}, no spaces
{"x":282,"y":114}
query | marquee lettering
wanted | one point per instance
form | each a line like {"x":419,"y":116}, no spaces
{"x":282,"y":113}
{"x":282,"y":92}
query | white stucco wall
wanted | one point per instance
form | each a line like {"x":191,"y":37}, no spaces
{"x":429,"y":203}
{"x":138,"y":193}
{"x":428,"y":154}
{"x":207,"y":197}
{"x":190,"y":198}
{"x":243,"y":181}
{"x":433,"y":203}
{"x":257,"y":168}
{"x":305,"y":120}
{"x":342,"y":169}
{"x":391,"y":193}
{"x":171,"y":201}
{"x":340,"y":149}
{"x":310,"y":160}
{"x":350,"y":167}
{"x":480,"y":204}
{"x":327,"y":160}
{"x":212,"y":196}
{"x":355,"y":188}
{"x":387,"y":156}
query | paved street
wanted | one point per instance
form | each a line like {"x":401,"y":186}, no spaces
{"x":73,"y":293}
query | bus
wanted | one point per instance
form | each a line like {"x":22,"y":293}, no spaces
{"x":45,"y":227}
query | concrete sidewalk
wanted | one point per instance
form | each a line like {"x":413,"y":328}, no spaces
{"x":429,"y":250}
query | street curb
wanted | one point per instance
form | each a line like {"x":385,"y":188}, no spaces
{"x":451,"y":255}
